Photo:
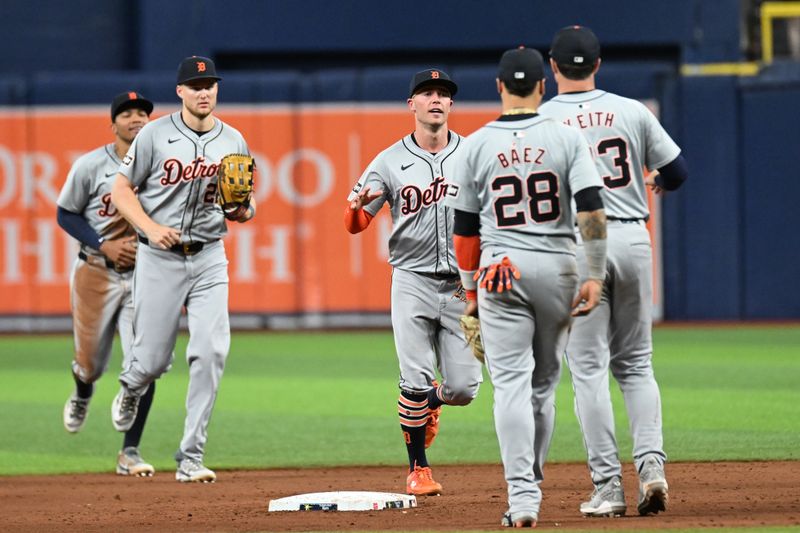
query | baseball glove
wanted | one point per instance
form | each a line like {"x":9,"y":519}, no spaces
{"x":235,"y":183}
{"x":471,"y":327}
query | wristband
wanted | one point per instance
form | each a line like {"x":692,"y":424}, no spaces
{"x":468,"y":279}
{"x":595,"y":251}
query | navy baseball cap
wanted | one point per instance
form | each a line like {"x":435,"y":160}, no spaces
{"x":521,"y":65}
{"x":431,"y":76}
{"x":575,"y":45}
{"x":196,"y":68}
{"x":129,"y":100}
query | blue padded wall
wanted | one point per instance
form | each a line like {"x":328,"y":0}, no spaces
{"x":710,"y":199}
{"x":770,"y":156}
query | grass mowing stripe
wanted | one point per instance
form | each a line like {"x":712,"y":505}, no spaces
{"x":294,"y":399}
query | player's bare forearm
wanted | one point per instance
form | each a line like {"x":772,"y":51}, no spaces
{"x":592,"y":224}
{"x":126,"y":202}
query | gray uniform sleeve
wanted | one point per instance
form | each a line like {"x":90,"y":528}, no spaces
{"x":462,"y":194}
{"x":74,"y":194}
{"x":373,"y":179}
{"x":660,"y":148}
{"x":583,"y":171}
{"x":136,"y":164}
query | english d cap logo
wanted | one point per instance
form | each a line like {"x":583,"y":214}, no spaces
{"x":196,"y":68}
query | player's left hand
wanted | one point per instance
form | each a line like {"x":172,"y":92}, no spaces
{"x":588,"y":297}
{"x":650,"y":181}
{"x":364,"y":197}
{"x":121,"y":252}
{"x":499,"y":273}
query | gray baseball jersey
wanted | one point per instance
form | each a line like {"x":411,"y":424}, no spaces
{"x":413,"y":184}
{"x":520,"y":173}
{"x":625,"y":137}
{"x":175,"y":170}
{"x":425,"y":308}
{"x":87,"y":192}
{"x":100,"y":297}
{"x":176,"y":173}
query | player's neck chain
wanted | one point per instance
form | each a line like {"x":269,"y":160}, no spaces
{"x":520,"y":111}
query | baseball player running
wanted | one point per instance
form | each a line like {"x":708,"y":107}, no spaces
{"x":180,"y":259}
{"x":514,"y":228}
{"x":100,"y":283}
{"x":426,"y":305}
{"x":625,"y":137}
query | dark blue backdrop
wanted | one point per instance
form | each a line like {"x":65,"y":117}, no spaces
{"x":729,"y":252}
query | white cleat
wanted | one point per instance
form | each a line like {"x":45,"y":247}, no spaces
{"x":653,"y":488}
{"x":75,"y":412}
{"x":191,"y":471}
{"x":607,"y":500}
{"x":130,"y":463}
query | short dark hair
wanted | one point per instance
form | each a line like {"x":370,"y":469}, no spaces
{"x":521,"y":88}
{"x":575,"y":72}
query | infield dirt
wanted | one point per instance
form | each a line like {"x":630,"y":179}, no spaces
{"x":711,"y":495}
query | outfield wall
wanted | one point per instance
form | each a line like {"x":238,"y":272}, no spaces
{"x":727,"y":251}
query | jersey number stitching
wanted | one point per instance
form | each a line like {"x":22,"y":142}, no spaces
{"x":543,"y":203}
{"x":620,"y":161}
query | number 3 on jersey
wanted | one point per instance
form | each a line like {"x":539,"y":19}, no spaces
{"x":543,"y":205}
{"x":620,"y":161}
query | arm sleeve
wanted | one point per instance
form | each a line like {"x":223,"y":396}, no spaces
{"x":588,"y":199}
{"x":78,"y":227}
{"x":673,"y":174}
{"x":356,"y":221}
{"x":467,"y":244}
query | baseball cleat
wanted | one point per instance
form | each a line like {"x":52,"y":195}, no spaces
{"x":653,"y":488}
{"x":191,"y":471}
{"x":432,"y":427}
{"x":420,"y":482}
{"x":521,"y":519}
{"x":124,"y":409}
{"x":130,"y":463}
{"x":75,"y":412}
{"x":607,"y":499}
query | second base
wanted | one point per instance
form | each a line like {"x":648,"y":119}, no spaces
{"x":343,"y":501}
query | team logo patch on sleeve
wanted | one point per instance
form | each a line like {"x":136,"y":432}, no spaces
{"x":452,"y":190}
{"x":127,"y":160}
{"x":357,"y":188}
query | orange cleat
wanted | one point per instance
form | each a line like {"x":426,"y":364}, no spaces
{"x":432,"y":427}
{"x":420,"y":482}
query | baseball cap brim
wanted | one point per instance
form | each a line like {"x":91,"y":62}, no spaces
{"x":447,"y":84}
{"x":132,"y":103}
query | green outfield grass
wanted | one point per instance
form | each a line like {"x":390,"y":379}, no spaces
{"x":330,"y":398}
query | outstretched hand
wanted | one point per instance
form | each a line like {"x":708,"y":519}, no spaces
{"x":364,"y":197}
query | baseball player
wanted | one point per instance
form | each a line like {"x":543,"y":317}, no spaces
{"x":625,"y":137}
{"x":100,"y":283}
{"x":514,"y":228}
{"x":411,"y":175}
{"x":180,"y":258}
